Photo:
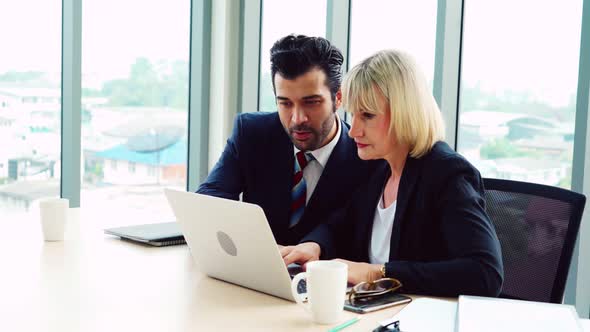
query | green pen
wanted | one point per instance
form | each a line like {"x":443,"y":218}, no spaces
{"x":345,"y":324}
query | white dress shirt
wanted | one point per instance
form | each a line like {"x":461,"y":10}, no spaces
{"x":314,"y":169}
{"x":381,"y":235}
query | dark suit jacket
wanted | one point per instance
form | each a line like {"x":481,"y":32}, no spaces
{"x":258,"y":163}
{"x":442,"y":242}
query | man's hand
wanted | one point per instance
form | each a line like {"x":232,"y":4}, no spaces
{"x":358,"y":272}
{"x":301,"y":253}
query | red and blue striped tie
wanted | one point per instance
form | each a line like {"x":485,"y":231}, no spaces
{"x":299,"y":191}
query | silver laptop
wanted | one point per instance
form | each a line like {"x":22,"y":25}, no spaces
{"x":232,"y":241}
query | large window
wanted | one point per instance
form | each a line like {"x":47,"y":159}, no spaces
{"x":134,"y":107}
{"x":280,"y":18}
{"x":409,"y":26}
{"x":30,"y":104}
{"x":518,"y":88}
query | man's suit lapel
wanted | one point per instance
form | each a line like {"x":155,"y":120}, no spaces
{"x":281,"y":176}
{"x":406,"y":187}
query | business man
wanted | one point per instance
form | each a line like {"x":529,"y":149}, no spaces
{"x":298,"y":164}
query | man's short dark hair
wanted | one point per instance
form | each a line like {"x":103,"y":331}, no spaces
{"x":294,"y":55}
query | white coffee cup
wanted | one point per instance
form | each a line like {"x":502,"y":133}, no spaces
{"x":326,"y":290}
{"x":54,"y":215}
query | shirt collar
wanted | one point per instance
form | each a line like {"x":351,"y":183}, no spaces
{"x":323,"y":154}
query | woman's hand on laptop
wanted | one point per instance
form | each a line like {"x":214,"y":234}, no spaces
{"x":301,"y":253}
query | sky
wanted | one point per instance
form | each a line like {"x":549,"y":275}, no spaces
{"x":530,"y":45}
{"x":114,"y":34}
{"x":526,"y":45}
{"x":405,"y":25}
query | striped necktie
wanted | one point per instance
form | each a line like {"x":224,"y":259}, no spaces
{"x":299,"y":191}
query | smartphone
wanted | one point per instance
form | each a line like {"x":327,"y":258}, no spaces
{"x":371,"y":304}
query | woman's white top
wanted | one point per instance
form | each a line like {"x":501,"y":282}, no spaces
{"x":381,"y":235}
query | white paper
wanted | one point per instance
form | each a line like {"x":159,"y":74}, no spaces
{"x":490,"y":314}
{"x":426,"y":315}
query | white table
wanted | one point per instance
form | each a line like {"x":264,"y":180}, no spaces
{"x":95,"y":282}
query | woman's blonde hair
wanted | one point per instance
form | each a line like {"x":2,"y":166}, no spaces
{"x":415,"y":117}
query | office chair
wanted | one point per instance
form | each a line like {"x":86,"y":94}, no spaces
{"x":537,"y":226}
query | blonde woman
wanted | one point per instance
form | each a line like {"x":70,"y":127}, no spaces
{"x":421,"y":217}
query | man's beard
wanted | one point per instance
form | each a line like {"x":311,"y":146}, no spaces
{"x":317,"y":137}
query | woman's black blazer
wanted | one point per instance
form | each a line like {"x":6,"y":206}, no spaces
{"x":442,"y":242}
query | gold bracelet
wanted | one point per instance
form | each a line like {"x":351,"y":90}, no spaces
{"x":383,"y":271}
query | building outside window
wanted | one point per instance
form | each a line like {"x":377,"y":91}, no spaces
{"x":518,"y":89}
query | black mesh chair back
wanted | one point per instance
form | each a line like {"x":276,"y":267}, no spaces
{"x":537,"y":226}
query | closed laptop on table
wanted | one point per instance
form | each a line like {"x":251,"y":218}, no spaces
{"x":160,"y":234}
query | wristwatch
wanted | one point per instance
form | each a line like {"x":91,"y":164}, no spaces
{"x":383,"y":271}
